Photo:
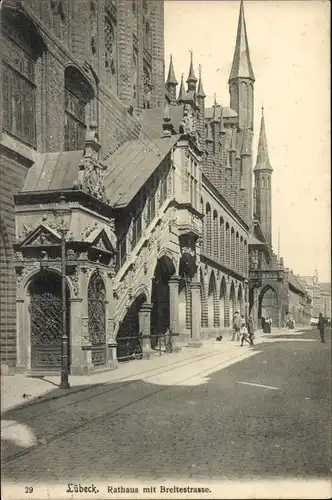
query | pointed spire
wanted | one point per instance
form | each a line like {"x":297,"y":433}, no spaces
{"x":200,"y":90}
{"x":263,"y":162}
{"x":241,"y":67}
{"x":182,"y":92}
{"x":191,"y":80}
{"x":215,"y":105}
{"x":171,"y":80}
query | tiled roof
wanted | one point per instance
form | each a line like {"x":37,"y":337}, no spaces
{"x":131,"y":166}
{"x":53,"y":171}
{"x":152,"y":120}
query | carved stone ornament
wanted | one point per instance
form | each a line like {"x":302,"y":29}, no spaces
{"x":18,"y":256}
{"x":206,"y":270}
{"x":22,"y":273}
{"x":25,"y":230}
{"x":85,"y":331}
{"x":75,"y":279}
{"x":91,"y":175}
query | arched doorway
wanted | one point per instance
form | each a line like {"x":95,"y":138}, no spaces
{"x":46,"y":321}
{"x":97,"y":318}
{"x":128,"y":332}
{"x":222,"y":303}
{"x":268,"y":306}
{"x":212,"y":316}
{"x":160,"y":318}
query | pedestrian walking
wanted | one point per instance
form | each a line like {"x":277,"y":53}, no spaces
{"x":251,"y":330}
{"x":321,"y":326}
{"x":266,"y":328}
{"x":236,"y":326}
{"x":244,"y":332}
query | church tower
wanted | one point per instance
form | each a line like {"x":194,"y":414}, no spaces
{"x":241,"y":90}
{"x":263,"y":176}
{"x":241,"y":79}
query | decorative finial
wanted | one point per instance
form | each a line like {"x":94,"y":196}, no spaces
{"x":200,"y":70}
{"x":191,"y":54}
{"x":262,"y":106}
{"x":214,"y":99}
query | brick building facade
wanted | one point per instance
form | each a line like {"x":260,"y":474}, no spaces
{"x":151,"y":190}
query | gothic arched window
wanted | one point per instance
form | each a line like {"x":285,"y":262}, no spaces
{"x":110,"y":51}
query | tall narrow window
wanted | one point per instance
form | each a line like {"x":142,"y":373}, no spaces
{"x":208,"y":233}
{"x":110,"y":52}
{"x":163,"y":188}
{"x":77,"y":94}
{"x":215,"y":236}
{"x":75,"y":127}
{"x":21,"y":46}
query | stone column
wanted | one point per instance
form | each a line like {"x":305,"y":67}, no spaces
{"x":23,"y":335}
{"x":144,"y":329}
{"x":254,"y":312}
{"x":75,"y":337}
{"x":174,"y":310}
{"x":195,"y":340}
{"x":112,"y":361}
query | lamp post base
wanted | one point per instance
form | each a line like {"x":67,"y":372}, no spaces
{"x":64,"y":385}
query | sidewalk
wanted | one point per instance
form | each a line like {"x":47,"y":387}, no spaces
{"x":20,"y":389}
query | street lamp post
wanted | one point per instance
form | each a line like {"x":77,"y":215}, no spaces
{"x":64,"y":384}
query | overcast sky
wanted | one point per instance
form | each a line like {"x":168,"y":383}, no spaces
{"x":289,"y":47}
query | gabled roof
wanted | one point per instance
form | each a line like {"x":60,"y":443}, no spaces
{"x":131,"y":165}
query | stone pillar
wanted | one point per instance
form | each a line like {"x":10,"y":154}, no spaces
{"x":195,"y":340}
{"x":254,"y":311}
{"x":75,"y":337}
{"x":23,"y":336}
{"x":174,"y":310}
{"x":144,"y":329}
{"x":111,"y":342}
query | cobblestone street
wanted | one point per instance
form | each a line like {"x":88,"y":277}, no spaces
{"x":194,"y":421}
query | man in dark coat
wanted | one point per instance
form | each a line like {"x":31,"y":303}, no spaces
{"x":321,"y":327}
{"x":250,"y":327}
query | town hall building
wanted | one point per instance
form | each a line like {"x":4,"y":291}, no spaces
{"x":149,"y":191}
